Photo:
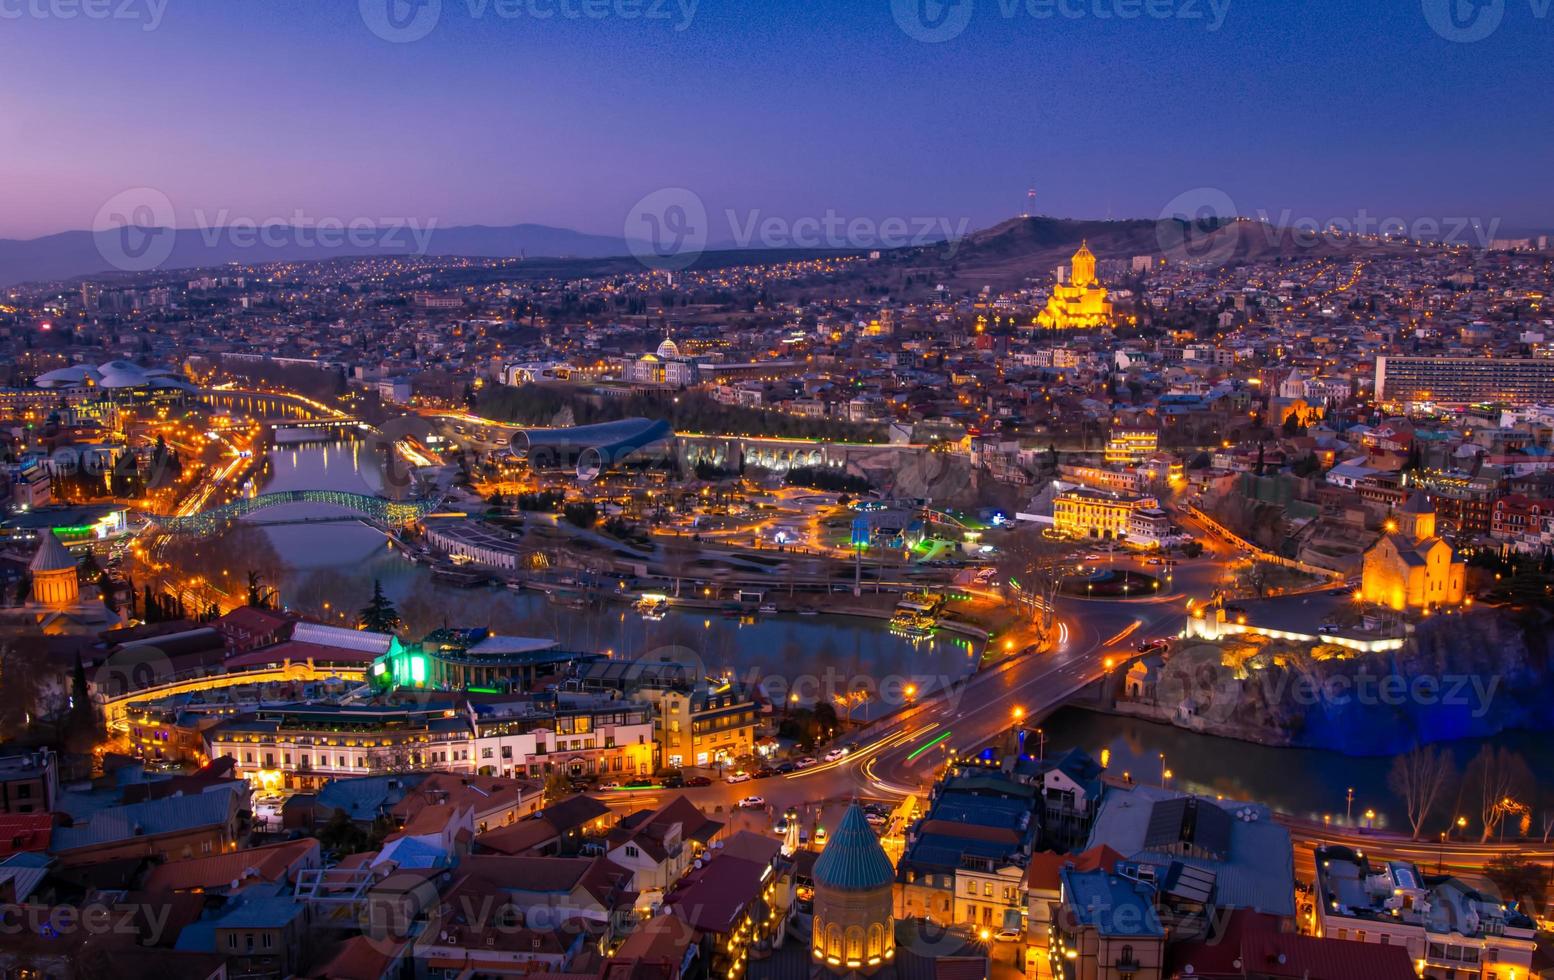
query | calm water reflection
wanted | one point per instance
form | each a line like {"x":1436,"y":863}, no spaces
{"x":832,"y":652}
{"x":1302,"y":782}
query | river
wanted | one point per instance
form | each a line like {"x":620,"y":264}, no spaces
{"x":816,"y":655}
{"x":1307,"y":783}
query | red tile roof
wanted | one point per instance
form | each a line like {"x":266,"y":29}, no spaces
{"x":25,"y":832}
{"x":360,"y":958}
{"x":1252,"y":943}
{"x":271,"y":862}
{"x":1043,"y":870}
{"x":296,"y":651}
{"x":713,"y":897}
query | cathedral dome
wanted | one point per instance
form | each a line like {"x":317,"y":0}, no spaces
{"x":52,"y":556}
{"x":853,"y":859}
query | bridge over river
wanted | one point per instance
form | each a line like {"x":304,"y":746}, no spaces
{"x":393,"y":514}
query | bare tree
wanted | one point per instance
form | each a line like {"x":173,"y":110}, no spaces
{"x":1498,"y":777}
{"x":391,"y":759}
{"x":1031,"y":568}
{"x":24,"y":673}
{"x":1421,"y":778}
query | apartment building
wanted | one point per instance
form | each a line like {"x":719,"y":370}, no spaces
{"x":1451,"y":931}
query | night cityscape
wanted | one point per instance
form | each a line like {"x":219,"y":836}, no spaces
{"x":708,"y":490}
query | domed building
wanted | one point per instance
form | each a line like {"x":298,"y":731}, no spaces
{"x":54,"y":582}
{"x":854,"y":930}
{"x":666,"y":368}
{"x":1409,"y":566}
{"x":1081,"y":302}
{"x":59,"y":606}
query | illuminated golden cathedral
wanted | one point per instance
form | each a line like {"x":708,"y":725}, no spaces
{"x":1079,"y":303}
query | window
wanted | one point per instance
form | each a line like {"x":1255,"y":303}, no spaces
{"x":631,"y":851}
{"x":987,"y":889}
{"x":854,"y":942}
{"x":971,"y":888}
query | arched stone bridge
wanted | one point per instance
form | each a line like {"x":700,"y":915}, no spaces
{"x":390,"y":513}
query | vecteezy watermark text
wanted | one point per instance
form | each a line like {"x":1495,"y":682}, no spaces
{"x":403,"y":21}
{"x":136,"y":231}
{"x":1470,"y":21}
{"x":936,"y":21}
{"x":1193,"y":227}
{"x":302,"y":230}
{"x":148,"y":13}
{"x":670,"y":228}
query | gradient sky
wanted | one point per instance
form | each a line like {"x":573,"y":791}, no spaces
{"x":1318,"y":108}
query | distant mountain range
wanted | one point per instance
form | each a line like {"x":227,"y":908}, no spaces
{"x":83,"y":253}
{"x":1011,"y":253}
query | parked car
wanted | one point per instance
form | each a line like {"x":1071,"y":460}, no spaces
{"x":738,"y":776}
{"x":675,"y":781}
{"x":765,"y":772}
{"x":1009,"y":936}
{"x":752,"y":803}
{"x":698,"y":781}
{"x":787,"y":765}
{"x":807,"y":761}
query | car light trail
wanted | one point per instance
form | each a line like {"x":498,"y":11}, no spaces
{"x":926,"y":746}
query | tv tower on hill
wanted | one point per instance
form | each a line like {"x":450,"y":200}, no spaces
{"x":1030,"y":203}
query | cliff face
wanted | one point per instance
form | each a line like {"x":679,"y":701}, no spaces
{"x":1458,"y":676}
